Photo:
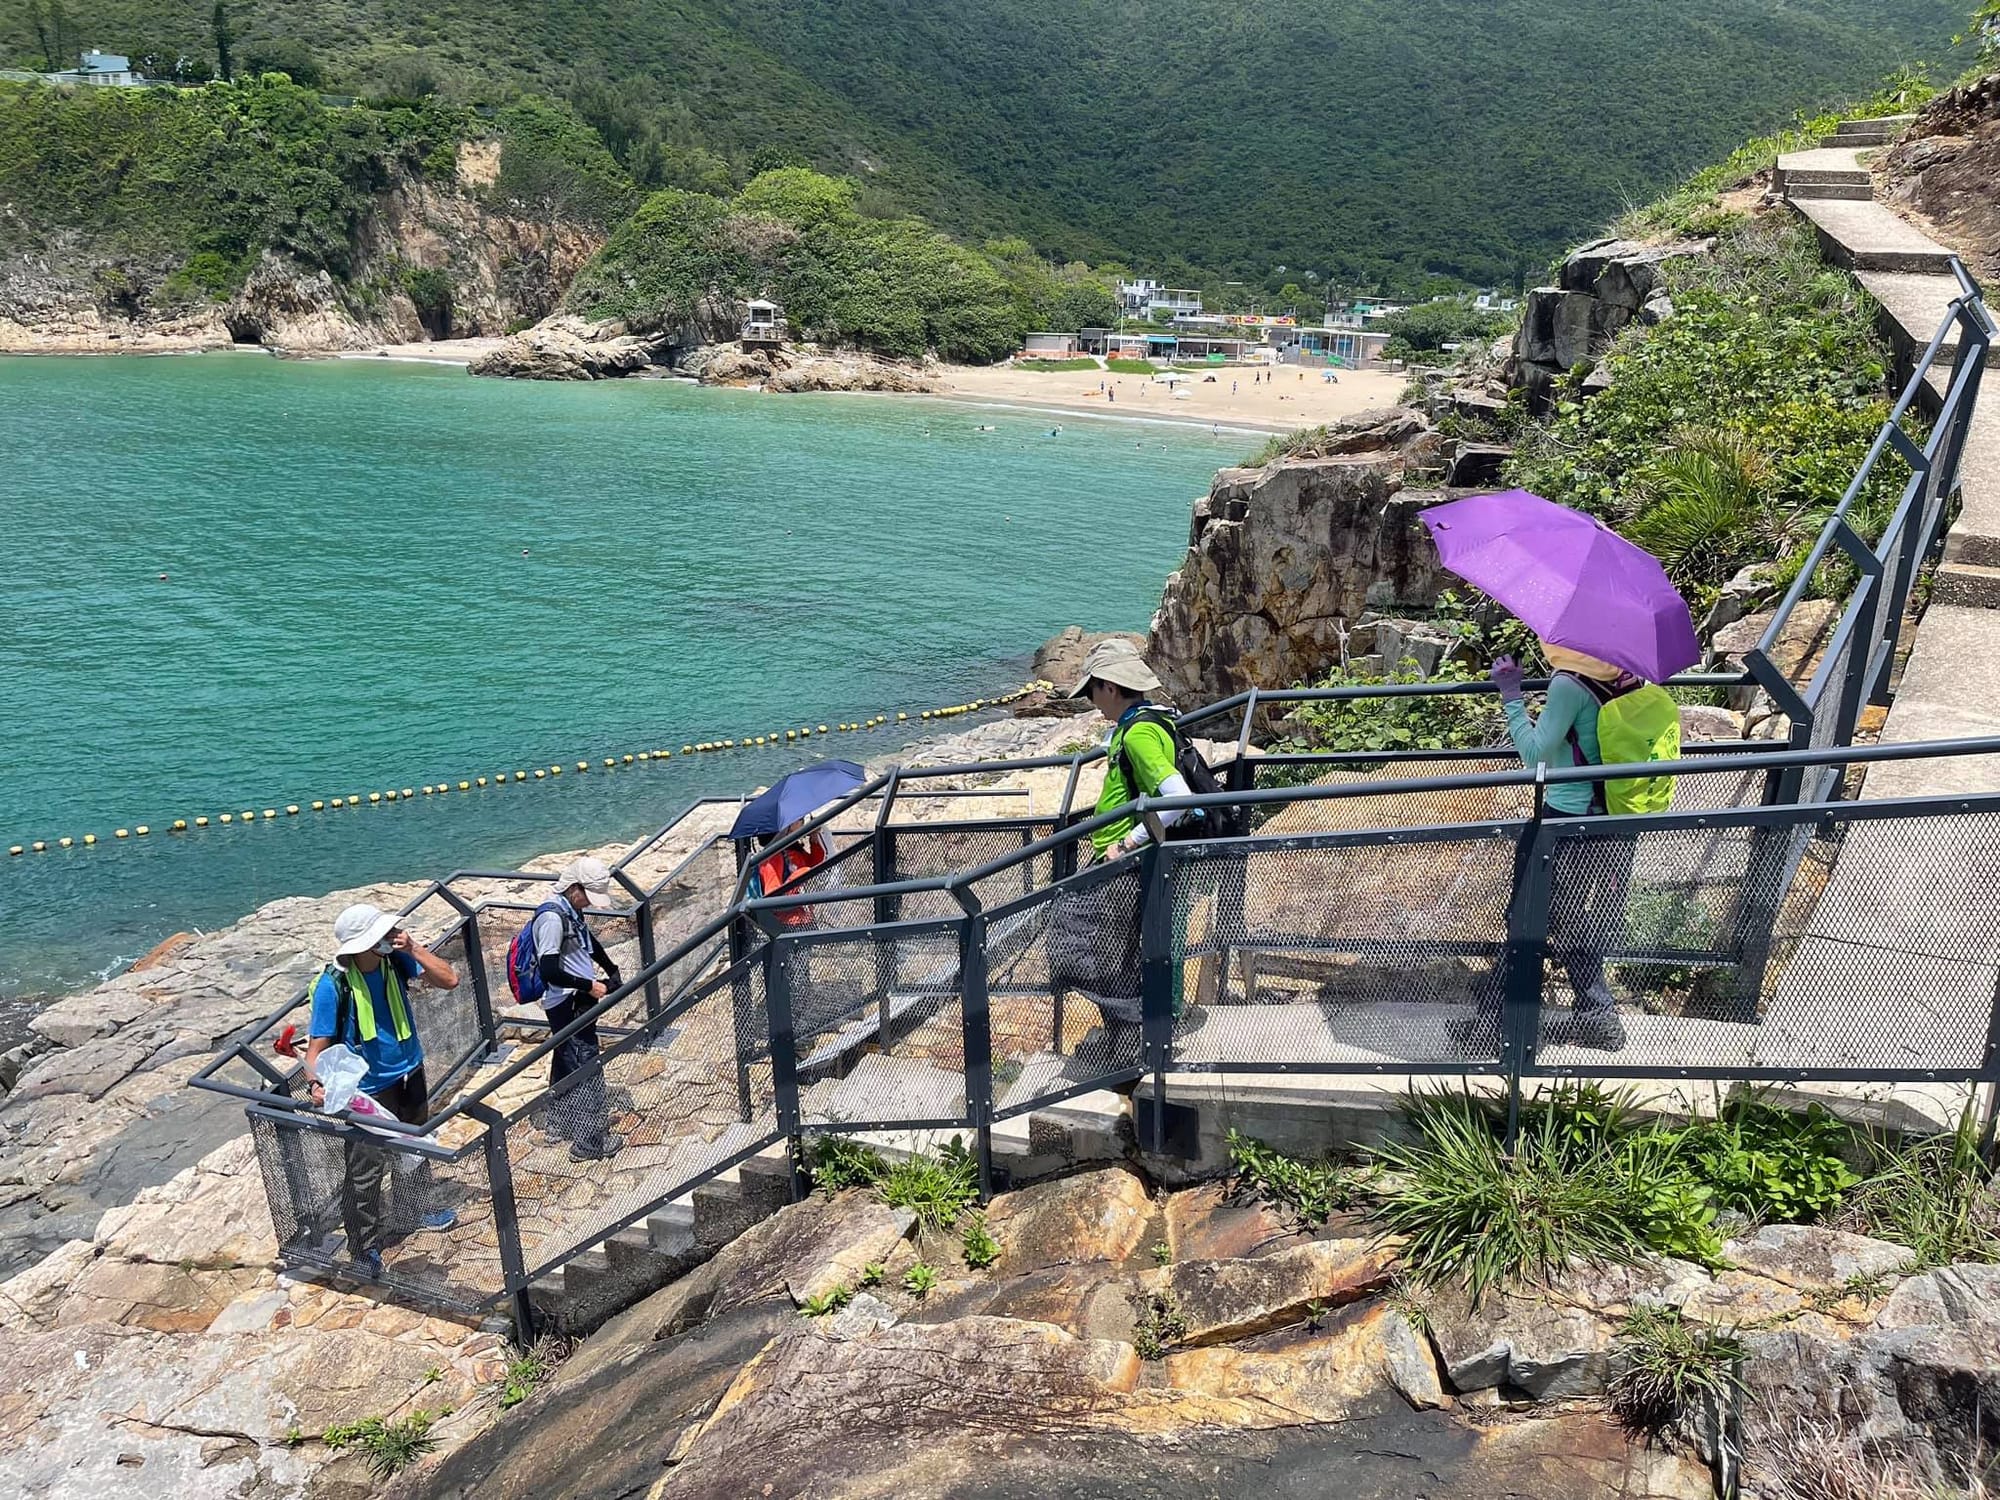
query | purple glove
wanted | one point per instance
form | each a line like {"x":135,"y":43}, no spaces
{"x":1506,"y":676}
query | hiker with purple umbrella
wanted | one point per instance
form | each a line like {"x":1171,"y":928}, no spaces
{"x":1613,"y":627}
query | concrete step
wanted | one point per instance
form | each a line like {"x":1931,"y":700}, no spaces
{"x":1967,"y":586}
{"x":1974,"y":539}
{"x":886,"y":1088}
{"x":1867,"y":237}
{"x":672,"y":1228}
{"x":1880,"y":125}
{"x":1913,"y":305}
{"x":1864,"y":138}
{"x":1798,"y":172}
{"x":1852,"y":192}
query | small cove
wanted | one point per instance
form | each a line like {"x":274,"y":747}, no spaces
{"x":381,"y":575}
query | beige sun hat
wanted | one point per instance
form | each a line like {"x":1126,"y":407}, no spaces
{"x":1565,"y":660}
{"x":594,"y":875}
{"x":1116,"y":661}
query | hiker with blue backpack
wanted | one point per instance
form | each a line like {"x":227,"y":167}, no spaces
{"x":555,"y":960}
{"x":361,"y":1000}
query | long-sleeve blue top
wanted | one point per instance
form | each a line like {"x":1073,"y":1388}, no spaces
{"x":1545,"y":741}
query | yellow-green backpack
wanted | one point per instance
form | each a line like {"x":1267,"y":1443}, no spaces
{"x":1638,"y":724}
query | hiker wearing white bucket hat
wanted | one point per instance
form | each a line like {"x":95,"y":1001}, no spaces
{"x":568,"y":956}
{"x":360,"y":1001}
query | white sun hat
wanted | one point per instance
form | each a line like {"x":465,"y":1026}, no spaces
{"x":360,"y":928}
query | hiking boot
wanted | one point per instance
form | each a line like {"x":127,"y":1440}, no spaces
{"x":368,"y":1265}
{"x":1600,"y":1030}
{"x":441,"y":1218}
{"x":610,"y":1145}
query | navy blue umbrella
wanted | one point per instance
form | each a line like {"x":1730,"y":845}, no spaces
{"x":797,"y":796}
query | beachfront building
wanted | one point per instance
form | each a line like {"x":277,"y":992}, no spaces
{"x":100,"y":70}
{"x":1153,"y":299}
{"x":1334,"y":344}
{"x":762,"y":322}
{"x":1052,"y":345}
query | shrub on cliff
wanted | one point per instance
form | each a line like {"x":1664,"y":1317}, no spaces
{"x":893,"y":286}
{"x":1732,"y":428}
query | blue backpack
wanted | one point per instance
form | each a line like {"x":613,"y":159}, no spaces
{"x":524,"y":975}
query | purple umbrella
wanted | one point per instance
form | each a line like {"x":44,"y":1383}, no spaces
{"x":1570,"y":578}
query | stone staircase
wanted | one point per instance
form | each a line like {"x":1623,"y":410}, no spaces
{"x":638,"y":1260}
{"x":1909,"y":275}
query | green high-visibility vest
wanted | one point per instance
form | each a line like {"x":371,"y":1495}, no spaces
{"x":364,"y":1003}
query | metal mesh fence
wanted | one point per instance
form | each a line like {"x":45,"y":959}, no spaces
{"x":1832,"y":697}
{"x":1344,"y":954}
{"x":334,"y":1191}
{"x":626,"y":1131}
{"x":448,"y":1020}
{"x":879,"y":1025}
{"x":1425,"y":809}
{"x":1062,"y":981}
{"x":1780,"y":946}
{"x":918,"y":853}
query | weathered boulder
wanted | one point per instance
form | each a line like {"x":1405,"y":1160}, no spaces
{"x":1279,"y":561}
{"x":566,"y":347}
{"x":1222,"y":1300}
{"x":728,"y":365}
{"x":1324,"y":1378}
{"x":853,"y":372}
{"x":1809,"y":1256}
{"x":1601,"y":289}
{"x":1218,"y":1221}
{"x":1095,"y":1216}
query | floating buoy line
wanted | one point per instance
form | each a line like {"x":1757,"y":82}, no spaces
{"x":776,"y":737}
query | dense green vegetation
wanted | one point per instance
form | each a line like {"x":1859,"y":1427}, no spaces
{"x":1732,"y":428}
{"x":200,"y":182}
{"x":1429,"y":326}
{"x":892,"y":285}
{"x":1289,"y":145}
{"x":1588,"y":1179}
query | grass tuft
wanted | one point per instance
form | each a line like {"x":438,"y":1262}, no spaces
{"x":1671,"y":1370}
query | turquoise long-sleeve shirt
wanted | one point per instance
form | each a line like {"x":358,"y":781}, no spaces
{"x":1545,"y":741}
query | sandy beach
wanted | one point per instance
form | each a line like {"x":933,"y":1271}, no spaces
{"x":1281,"y":402}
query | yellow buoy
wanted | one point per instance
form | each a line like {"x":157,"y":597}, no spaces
{"x":15,"y":849}
{"x":900,"y":716}
{"x":583,"y":765}
{"x":291,"y":811}
{"x":141,"y":831}
{"x":555,"y":770}
{"x":388,"y":796}
{"x":541,"y":775}
{"x":466,"y":786}
{"x":482,"y":781}
{"x":226,"y":818}
{"x":65,"y":842}
{"x":90,"y":838}
{"x":791,"y":734}
{"x":409,"y":791}
{"x":41,"y":846}
{"x":428,"y":789}
{"x":201,"y":822}
{"x":121,"y":833}
{"x":687,"y":749}
{"x":927,"y":713}
{"x":319,"y":807}
{"x":374,"y":796}
{"x":337,"y":802}
{"x":628,"y":761}
{"x":180,"y":825}
{"x":520,"y":775}
{"x":270,"y":812}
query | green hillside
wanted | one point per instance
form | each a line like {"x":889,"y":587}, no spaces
{"x":1361,"y":139}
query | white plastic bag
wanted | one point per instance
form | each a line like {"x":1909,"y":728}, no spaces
{"x":340,"y":1073}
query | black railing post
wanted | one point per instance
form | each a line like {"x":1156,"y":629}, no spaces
{"x":977,"y":1016}
{"x":1527,"y":946}
{"x":1156,"y":979}
{"x":506,"y":1221}
{"x":482,"y":992}
{"x":784,"y":1056}
{"x":888,"y":908}
{"x":648,"y":951}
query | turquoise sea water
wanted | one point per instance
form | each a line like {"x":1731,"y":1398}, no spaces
{"x":380,"y":575}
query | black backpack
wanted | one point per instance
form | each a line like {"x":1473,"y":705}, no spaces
{"x":1210,"y":823}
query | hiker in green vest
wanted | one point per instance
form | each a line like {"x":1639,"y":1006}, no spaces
{"x":1589,"y":914}
{"x":362,"y":1000}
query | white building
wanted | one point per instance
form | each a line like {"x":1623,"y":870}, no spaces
{"x":1152,"y":299}
{"x":101,"y":70}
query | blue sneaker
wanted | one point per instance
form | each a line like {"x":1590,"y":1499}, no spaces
{"x":368,"y":1265}
{"x":442,"y":1218}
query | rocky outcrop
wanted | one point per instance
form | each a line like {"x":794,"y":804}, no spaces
{"x":1247,"y":1376}
{"x":1059,"y":660}
{"x":1941,"y":173}
{"x":570,"y":348}
{"x":1283,"y":559}
{"x":795,"y":369}
{"x":65,"y":292}
{"x":1600,"y":290}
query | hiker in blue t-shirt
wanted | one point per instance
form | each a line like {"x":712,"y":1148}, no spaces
{"x":361,"y":1000}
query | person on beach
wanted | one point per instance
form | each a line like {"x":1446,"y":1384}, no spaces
{"x":1565,"y":734}
{"x":361,"y":1000}
{"x":568,"y":956}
